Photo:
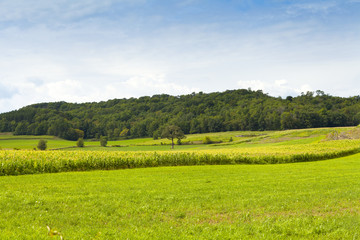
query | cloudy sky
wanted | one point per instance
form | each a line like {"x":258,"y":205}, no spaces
{"x":91,"y":50}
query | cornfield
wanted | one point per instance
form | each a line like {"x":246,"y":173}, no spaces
{"x":31,"y":162}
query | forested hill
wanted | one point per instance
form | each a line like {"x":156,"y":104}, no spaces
{"x":194,"y":113}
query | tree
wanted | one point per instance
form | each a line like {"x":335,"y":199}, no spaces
{"x":207,"y":140}
{"x":194,"y":113}
{"x":103,"y":141}
{"x":287,"y":121}
{"x":156,"y":135}
{"x":21,"y":128}
{"x":80,"y":142}
{"x":79,"y":133}
{"x":171,"y":132}
{"x":124,"y":132}
{"x":117,"y":132}
{"x":42,"y":144}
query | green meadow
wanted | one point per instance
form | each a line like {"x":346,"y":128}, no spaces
{"x":196,"y":191}
{"x":314,"y":200}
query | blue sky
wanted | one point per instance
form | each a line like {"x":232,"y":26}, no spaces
{"x":90,"y":50}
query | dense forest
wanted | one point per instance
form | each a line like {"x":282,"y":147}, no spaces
{"x":194,"y":113}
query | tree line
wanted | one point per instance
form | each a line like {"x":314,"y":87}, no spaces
{"x":232,"y":110}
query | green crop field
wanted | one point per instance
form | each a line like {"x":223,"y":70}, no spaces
{"x":316,"y":200}
{"x":240,"y":139}
{"x":235,"y":191}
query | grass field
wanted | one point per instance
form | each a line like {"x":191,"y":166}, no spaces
{"x":303,"y":200}
{"x":8,"y":141}
{"x":240,"y":139}
{"x":316,"y":200}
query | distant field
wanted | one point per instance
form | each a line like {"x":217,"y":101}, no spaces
{"x":32,"y":162}
{"x":9,"y":141}
{"x":240,"y":139}
{"x":249,"y":148}
{"x":317,"y":200}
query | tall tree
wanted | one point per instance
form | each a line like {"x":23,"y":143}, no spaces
{"x":171,"y":132}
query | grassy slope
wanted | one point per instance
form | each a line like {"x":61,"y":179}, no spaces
{"x":317,"y":200}
{"x":240,"y":139}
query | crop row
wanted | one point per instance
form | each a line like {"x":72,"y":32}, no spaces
{"x":30,"y":162}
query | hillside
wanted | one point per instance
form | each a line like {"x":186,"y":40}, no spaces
{"x":232,"y":110}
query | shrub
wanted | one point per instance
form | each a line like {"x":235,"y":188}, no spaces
{"x":103,"y":141}
{"x":207,"y":140}
{"x":80,"y":142}
{"x":334,"y":135}
{"x":42,"y":144}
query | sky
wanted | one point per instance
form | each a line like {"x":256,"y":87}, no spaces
{"x":91,"y":50}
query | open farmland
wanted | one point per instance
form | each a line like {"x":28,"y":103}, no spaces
{"x":235,"y":191}
{"x":265,"y":148}
{"x":220,"y":139}
{"x":29,"y":162}
{"x":314,"y":200}
{"x":181,"y":119}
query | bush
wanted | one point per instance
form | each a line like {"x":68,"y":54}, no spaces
{"x":103,"y":141}
{"x":231,"y":139}
{"x":80,"y":142}
{"x":42,"y":144}
{"x":207,"y":140}
{"x":155,"y":135}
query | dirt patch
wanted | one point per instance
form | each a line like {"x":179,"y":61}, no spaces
{"x":351,"y":134}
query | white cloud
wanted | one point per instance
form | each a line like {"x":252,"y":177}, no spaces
{"x":313,"y":7}
{"x":6,"y":91}
{"x":47,"y":55}
{"x":66,"y":90}
{"x":156,"y":84}
{"x":34,"y":11}
{"x":276,"y":88}
{"x":30,"y":92}
{"x":253,"y":84}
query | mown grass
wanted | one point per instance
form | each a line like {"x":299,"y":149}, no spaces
{"x":317,"y":200}
{"x":30,"y":142}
